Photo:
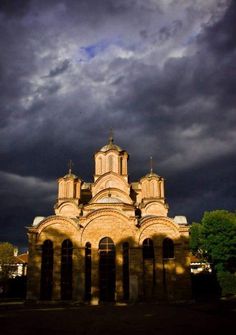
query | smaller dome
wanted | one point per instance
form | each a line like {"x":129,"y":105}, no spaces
{"x":151,"y":174}
{"x":37,"y":220}
{"x":70,"y":175}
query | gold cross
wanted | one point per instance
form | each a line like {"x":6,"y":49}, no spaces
{"x":151,"y":164}
{"x":111,"y":136}
{"x":70,"y":164}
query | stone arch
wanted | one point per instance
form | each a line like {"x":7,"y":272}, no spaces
{"x":67,"y":208}
{"x":156,"y":208}
{"x":118,"y":182}
{"x":106,"y":222}
{"x":113,"y":192}
{"x":158,"y":227}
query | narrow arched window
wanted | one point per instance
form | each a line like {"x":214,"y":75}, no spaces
{"x":121,"y":165}
{"x":152,"y":188}
{"x":168,"y":248}
{"x":88,"y":268}
{"x":110,"y":163}
{"x":138,"y":213}
{"x":99,"y":165}
{"x":126,"y":270}
{"x":46,"y":271}
{"x":148,"y":250}
{"x":66,"y":270}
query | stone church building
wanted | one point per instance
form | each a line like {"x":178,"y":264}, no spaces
{"x":109,"y":240}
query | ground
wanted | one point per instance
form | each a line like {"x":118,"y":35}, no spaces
{"x":191,"y":318}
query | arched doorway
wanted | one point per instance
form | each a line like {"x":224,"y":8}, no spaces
{"x":107,"y":269}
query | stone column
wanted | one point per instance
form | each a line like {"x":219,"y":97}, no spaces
{"x":119,"y":274}
{"x":159,"y":288}
{"x":78,"y":274}
{"x":95,"y":277}
{"x":183,"y":276}
{"x":136,"y":274}
{"x":56,"y":291}
{"x":34,"y":268}
{"x":170,"y":278}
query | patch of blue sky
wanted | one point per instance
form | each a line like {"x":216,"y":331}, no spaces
{"x":91,"y":51}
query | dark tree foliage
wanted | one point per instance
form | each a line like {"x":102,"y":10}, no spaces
{"x":215,"y":238}
{"x":219,"y":238}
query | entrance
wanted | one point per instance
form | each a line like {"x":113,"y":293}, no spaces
{"x":107,"y":269}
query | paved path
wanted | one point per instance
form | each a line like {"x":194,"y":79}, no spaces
{"x":148,"y":319}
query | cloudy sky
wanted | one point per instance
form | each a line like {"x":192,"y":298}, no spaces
{"x":161,"y":73}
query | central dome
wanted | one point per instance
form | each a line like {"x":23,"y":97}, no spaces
{"x":110,"y":146}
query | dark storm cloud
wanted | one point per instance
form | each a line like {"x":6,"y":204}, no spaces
{"x":221,"y":36}
{"x":163,"y":76}
{"x":13,"y":7}
{"x":59,"y":69}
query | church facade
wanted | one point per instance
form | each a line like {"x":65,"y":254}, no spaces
{"x":110,"y":240}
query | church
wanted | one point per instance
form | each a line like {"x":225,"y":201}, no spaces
{"x":109,"y":240}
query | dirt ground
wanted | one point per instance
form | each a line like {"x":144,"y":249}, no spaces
{"x":191,"y":318}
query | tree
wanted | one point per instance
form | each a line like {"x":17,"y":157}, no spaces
{"x":219,"y":238}
{"x":6,"y":265}
{"x":196,"y":239}
{"x":216,"y":235}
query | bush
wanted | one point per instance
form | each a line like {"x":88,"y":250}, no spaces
{"x":227,"y":282}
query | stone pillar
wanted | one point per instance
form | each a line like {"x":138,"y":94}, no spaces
{"x":159,"y":288}
{"x":95,"y":277}
{"x":78,"y":277}
{"x":170,"y":278}
{"x":183,"y":276}
{"x":119,"y":294}
{"x":136,"y":274}
{"x":34,"y":268}
{"x":56,"y":291}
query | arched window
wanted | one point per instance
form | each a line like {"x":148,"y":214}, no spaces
{"x":107,"y":269}
{"x":110,"y":163}
{"x":148,"y":250}
{"x":168,"y":248}
{"x":46,"y":271}
{"x":121,"y":165}
{"x":138,"y":213}
{"x":99,"y":165}
{"x":126,"y":270}
{"x":152,"y":188}
{"x":66,"y":270}
{"x":88,"y":269}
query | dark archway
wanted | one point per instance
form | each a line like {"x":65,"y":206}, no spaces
{"x":168,"y":248}
{"x":107,"y":269}
{"x":88,"y":269}
{"x":66,"y":270}
{"x":46,"y":282}
{"x":167,"y":255}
